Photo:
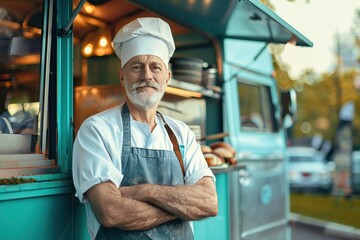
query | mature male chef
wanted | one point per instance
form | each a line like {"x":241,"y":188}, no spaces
{"x":142,"y":175}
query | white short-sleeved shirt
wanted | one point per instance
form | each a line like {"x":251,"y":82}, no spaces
{"x":98,"y":147}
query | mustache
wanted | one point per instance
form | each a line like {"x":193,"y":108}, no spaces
{"x":145,"y":84}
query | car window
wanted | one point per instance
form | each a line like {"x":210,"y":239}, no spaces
{"x":302,"y":159}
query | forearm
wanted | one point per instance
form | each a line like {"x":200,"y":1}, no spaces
{"x":187,"y":202}
{"x":137,"y":215}
{"x":124,"y":213}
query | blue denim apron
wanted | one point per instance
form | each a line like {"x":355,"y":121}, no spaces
{"x":139,"y":166}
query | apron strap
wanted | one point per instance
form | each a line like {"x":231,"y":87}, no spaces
{"x":175,"y":144}
{"x":125,"y":114}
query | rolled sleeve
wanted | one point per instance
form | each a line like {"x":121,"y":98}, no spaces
{"x":199,"y":174}
{"x":196,"y":166}
{"x":92,"y":159}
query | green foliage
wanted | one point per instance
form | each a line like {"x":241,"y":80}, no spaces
{"x":319,"y":98}
{"x":327,"y":207}
{"x":356,"y":27}
{"x":320,"y":103}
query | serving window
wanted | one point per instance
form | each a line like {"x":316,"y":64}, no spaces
{"x":22,"y":90}
{"x":255,"y":111}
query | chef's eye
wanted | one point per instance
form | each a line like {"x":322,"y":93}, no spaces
{"x":156,"y":67}
{"x":136,"y":67}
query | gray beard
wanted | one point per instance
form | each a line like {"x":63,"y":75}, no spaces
{"x":142,"y":99}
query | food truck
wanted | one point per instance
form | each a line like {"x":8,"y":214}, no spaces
{"x":57,"y":68}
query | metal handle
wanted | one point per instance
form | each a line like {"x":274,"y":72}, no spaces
{"x":244,"y":177}
{"x":65,"y":30}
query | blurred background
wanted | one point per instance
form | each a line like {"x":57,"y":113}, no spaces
{"x":326,"y":78}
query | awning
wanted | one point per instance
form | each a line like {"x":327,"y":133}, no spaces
{"x":241,"y":19}
{"x":254,"y":21}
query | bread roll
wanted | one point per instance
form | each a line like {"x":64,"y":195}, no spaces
{"x":206,"y":149}
{"x":231,"y":161}
{"x":213,"y":160}
{"x":223,"y":145}
{"x":223,"y":152}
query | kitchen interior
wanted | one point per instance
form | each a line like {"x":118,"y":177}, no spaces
{"x":193,"y":91}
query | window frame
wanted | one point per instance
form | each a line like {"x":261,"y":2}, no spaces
{"x":264,"y":91}
{"x":56,"y":95}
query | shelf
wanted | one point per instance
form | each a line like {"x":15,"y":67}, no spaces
{"x":18,"y":165}
{"x":229,"y":168}
{"x":195,"y":90}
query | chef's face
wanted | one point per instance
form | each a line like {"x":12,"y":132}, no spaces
{"x":144,"y":78}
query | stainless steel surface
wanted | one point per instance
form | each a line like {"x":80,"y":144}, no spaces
{"x":46,"y":76}
{"x":187,"y":69}
{"x":227,"y":169}
{"x":257,"y":189}
{"x":209,"y":77}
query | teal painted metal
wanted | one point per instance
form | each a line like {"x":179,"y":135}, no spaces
{"x":216,"y":227}
{"x":45,"y":218}
{"x":65,"y":89}
{"x":274,"y":18}
{"x":43,"y":210}
{"x":36,"y":189}
{"x":255,"y":69}
{"x":79,"y":221}
{"x":245,"y":19}
{"x":43,"y":50}
{"x":245,"y":54}
{"x":249,"y":15}
{"x":204,"y":16}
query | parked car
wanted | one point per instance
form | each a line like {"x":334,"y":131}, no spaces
{"x":308,"y":169}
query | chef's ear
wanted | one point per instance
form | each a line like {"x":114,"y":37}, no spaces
{"x":168,"y":77}
{"x":121,"y":76}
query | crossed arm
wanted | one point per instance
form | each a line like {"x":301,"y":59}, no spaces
{"x":145,"y":206}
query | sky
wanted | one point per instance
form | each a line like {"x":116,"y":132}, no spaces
{"x":319,"y":21}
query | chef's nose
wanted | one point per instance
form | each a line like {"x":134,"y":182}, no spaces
{"x":147,"y":74}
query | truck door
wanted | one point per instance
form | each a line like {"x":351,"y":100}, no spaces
{"x":259,"y":193}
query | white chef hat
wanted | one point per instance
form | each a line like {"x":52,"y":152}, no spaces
{"x":149,"y":35}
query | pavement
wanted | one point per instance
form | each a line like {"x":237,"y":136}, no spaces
{"x":328,"y":228}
